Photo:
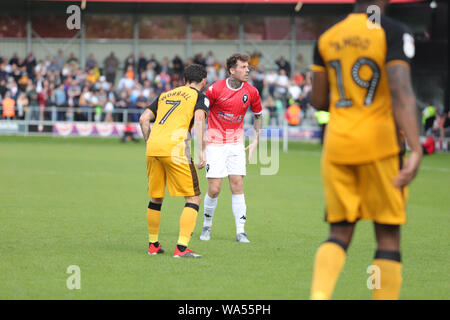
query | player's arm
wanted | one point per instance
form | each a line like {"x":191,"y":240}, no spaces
{"x":320,"y":91}
{"x":201,"y":110}
{"x":199,"y":130}
{"x":257,"y":124}
{"x":148,"y":116}
{"x":405,"y":114}
{"x":400,"y":50}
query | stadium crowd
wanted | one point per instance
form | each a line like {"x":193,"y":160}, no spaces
{"x":96,"y":91}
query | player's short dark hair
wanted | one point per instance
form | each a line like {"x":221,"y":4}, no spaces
{"x":232,"y":61}
{"x":194,"y":73}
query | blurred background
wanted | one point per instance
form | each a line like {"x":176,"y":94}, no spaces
{"x":99,"y":67}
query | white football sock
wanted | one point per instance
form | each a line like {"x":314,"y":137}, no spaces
{"x":239,"y":211}
{"x":209,"y":206}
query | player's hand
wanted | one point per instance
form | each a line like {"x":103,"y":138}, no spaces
{"x":251,"y":149}
{"x":201,"y":161}
{"x":409,"y":170}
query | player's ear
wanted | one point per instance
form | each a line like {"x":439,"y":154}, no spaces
{"x":203,"y":84}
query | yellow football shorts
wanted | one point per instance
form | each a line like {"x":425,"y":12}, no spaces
{"x":364,"y":191}
{"x":179,"y":172}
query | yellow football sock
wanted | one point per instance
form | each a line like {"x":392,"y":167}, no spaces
{"x":330,"y":258}
{"x":187,"y":223}
{"x":153,"y":220}
{"x":391,"y":279}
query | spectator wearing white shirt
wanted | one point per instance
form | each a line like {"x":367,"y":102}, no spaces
{"x":270,"y":81}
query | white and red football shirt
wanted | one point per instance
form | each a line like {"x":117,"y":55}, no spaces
{"x":227,"y":110}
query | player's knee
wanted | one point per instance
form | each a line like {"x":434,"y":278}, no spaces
{"x":388,"y":237}
{"x":157,"y":200}
{"x":342,"y":232}
{"x":213,"y":191}
{"x":237,"y":186}
{"x":194,"y":200}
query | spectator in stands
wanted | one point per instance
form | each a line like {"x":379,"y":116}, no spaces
{"x":165,"y":67}
{"x":257,"y":80}
{"x":298,"y":78}
{"x":90,"y":62}
{"x":269,"y":104}
{"x":3,"y":73}
{"x":294,"y":91}
{"x":72,"y":60}
{"x":255,"y":57}
{"x":282,"y":84}
{"x":91,"y":77}
{"x":283,"y":65}
{"x":121,"y":104}
{"x":30,"y":64}
{"x":270,"y":80}
{"x":292,"y":114}
{"x":155,"y":64}
{"x":150,"y":73}
{"x":299,"y":63}
{"x":178,"y":65}
{"x":40,"y":68}
{"x":61,"y":102}
{"x":109,"y":109}
{"x":129,"y":62}
{"x":14,"y":59}
{"x":3,"y":88}
{"x":110,"y":67}
{"x":60,"y":60}
{"x":132,"y":108}
{"x":142,"y":102}
{"x":33,"y":101}
{"x":199,"y":59}
{"x":22,"y":106}
{"x":142,"y":63}
{"x":54,"y":66}
{"x":222,"y":73}
{"x":84,"y":103}
{"x":102,"y":98}
{"x":13,"y":88}
{"x":15,"y":73}
{"x":163,"y":79}
{"x":8,"y":105}
{"x":101,"y":84}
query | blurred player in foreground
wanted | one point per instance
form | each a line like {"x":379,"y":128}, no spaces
{"x":362,"y":75}
{"x":225,"y":153}
{"x":168,"y":155}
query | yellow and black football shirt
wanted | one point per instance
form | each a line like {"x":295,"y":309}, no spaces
{"x":355,"y":53}
{"x":174,"y":116}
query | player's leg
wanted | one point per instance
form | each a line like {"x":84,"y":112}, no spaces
{"x":388,"y":260}
{"x":385,"y":205}
{"x":330,"y":259}
{"x":238,"y":206}
{"x":182,"y":180}
{"x":156,"y":187}
{"x":236,"y":163}
{"x":215,"y":171}
{"x":209,"y":206}
{"x":187,"y":225}
{"x":343,"y":202}
{"x":153,"y":221}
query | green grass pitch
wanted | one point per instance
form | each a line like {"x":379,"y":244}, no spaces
{"x":82,"y":201}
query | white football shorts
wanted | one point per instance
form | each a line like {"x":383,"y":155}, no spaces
{"x":226,"y":159}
